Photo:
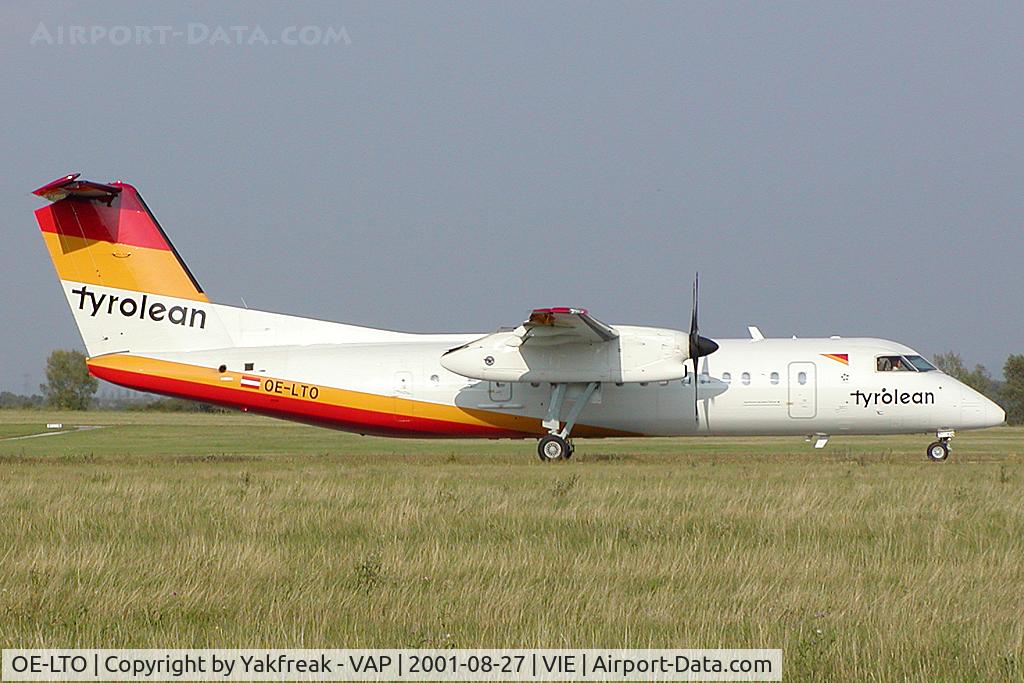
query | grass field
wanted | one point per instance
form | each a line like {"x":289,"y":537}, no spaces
{"x":863,"y":561}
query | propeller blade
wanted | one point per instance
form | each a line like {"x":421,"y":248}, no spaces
{"x":694,"y":337}
{"x":693,"y":316}
{"x":699,"y":346}
{"x":696,"y":409}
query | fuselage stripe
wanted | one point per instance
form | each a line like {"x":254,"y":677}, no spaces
{"x":324,"y":406}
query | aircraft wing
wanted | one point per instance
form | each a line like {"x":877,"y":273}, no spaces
{"x":567,"y":345}
{"x":563,"y":326}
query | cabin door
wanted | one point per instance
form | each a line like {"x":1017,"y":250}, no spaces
{"x":803,"y":390}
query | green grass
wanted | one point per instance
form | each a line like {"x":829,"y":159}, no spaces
{"x":863,"y":561}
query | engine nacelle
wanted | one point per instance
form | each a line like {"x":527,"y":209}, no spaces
{"x":638,"y":354}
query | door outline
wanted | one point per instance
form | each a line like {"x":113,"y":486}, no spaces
{"x":802,"y":399}
{"x":499,"y":392}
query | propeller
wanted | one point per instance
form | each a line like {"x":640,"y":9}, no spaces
{"x":699,"y":346}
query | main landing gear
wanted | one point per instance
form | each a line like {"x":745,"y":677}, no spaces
{"x":939,"y":450}
{"x":556,"y":445}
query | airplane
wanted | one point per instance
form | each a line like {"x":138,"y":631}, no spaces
{"x":148,"y":325}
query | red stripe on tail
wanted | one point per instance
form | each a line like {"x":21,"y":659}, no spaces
{"x":119,"y":219}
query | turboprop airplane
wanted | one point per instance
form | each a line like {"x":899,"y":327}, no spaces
{"x":148,"y":325}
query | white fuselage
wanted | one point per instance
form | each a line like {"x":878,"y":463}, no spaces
{"x":747,"y":386}
{"x":762,"y":387}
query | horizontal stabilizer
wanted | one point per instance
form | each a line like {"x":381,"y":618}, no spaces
{"x":71,"y":186}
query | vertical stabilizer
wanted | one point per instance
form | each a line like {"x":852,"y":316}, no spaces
{"x":128,"y":288}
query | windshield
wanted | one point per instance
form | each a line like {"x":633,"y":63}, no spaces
{"x":920,"y":363}
{"x":902,"y":364}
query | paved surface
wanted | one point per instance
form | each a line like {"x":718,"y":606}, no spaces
{"x":82,"y":428}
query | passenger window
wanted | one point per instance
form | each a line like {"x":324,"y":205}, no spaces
{"x":745,"y":377}
{"x":775,"y":378}
{"x":801,"y":377}
{"x":726,"y":377}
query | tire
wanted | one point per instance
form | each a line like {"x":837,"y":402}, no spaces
{"x":937,"y":451}
{"x":552,"y":447}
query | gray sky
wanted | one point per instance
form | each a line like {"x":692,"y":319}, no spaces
{"x":849,"y":169}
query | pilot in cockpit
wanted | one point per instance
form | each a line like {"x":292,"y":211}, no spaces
{"x":890,"y":364}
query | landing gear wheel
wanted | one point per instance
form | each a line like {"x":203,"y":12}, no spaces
{"x":938,"y":451}
{"x":553,"y":447}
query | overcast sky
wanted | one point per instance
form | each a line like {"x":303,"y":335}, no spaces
{"x":851,"y":169}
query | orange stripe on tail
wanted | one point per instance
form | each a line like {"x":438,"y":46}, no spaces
{"x":106,"y":235}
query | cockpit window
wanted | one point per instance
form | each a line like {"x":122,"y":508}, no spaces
{"x":903,"y":364}
{"x":921,"y":364}
{"x":890,"y":364}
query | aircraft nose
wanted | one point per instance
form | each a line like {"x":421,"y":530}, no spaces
{"x":994,"y":415}
{"x":977,"y":411}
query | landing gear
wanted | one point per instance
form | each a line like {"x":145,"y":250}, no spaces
{"x":556,"y":445}
{"x":553,"y":447}
{"x":939,"y":450}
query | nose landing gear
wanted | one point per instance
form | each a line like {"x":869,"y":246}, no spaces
{"x":939,"y":450}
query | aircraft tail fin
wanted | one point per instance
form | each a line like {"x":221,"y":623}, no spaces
{"x":106,"y":235}
{"x":128,"y":288}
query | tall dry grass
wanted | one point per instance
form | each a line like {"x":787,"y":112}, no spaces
{"x":864,"y":562}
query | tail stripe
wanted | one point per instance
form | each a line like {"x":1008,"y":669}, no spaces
{"x":106,"y":235}
{"x":89,"y":262}
{"x":119,"y":223}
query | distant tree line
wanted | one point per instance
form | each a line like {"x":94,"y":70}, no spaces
{"x":10,"y":400}
{"x":69,"y":386}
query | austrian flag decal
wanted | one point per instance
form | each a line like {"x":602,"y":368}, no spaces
{"x":843,"y":358}
{"x":251,"y":382}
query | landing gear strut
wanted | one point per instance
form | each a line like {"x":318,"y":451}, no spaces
{"x":556,"y":445}
{"x":939,"y":450}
